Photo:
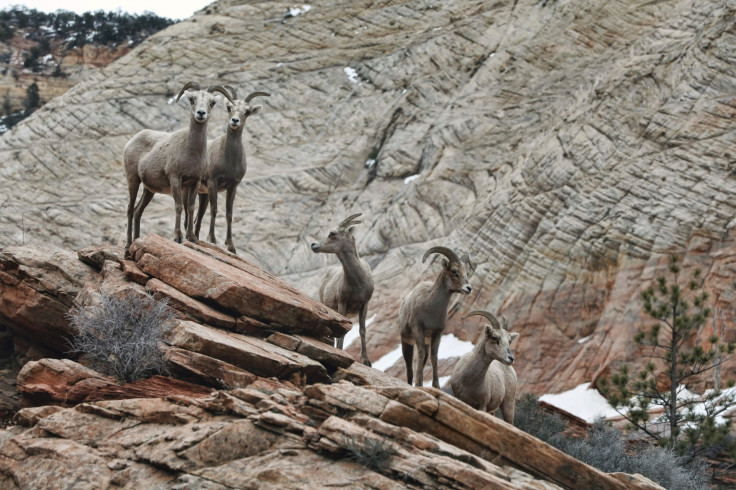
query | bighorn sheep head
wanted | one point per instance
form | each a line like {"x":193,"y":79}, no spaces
{"x":456,"y":276}
{"x":496,"y":338}
{"x":338,"y":237}
{"x":201,"y":101}
{"x":238,"y":110}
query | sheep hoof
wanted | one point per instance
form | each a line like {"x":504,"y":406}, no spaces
{"x":231,"y":249}
{"x":178,"y":239}
{"x":367,"y":362}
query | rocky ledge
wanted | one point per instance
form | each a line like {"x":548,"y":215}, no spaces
{"x":256,"y":397}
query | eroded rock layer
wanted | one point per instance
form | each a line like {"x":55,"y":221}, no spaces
{"x":569,"y":146}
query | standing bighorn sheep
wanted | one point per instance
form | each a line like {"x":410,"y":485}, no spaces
{"x":423,"y":314}
{"x":484,"y":378}
{"x":349,"y":289}
{"x":226,"y":165}
{"x":170,"y":163}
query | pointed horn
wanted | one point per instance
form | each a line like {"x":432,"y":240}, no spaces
{"x":444,"y":251}
{"x":221,"y":89}
{"x":349,"y":221}
{"x":257,"y":94}
{"x":189,"y":85}
{"x":487,"y":314}
{"x":232,"y":91}
{"x":505,"y":323}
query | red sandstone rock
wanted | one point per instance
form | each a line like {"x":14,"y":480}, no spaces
{"x":245,"y":289}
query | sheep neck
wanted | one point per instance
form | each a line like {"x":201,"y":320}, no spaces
{"x":197,"y":138}
{"x":234,"y":144}
{"x":476,"y":368}
{"x":439,"y":297}
{"x":351,"y":266}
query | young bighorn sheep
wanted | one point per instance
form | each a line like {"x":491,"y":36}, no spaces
{"x":423,"y":314}
{"x":349,"y":289}
{"x":170,"y":163}
{"x":226,"y":165}
{"x":484,"y":378}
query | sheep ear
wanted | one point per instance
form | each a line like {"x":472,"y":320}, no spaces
{"x":255,"y":110}
{"x":350,"y":230}
{"x":492,"y":334}
{"x":514,"y":335}
{"x":446,"y":264}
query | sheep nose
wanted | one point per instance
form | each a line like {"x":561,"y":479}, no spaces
{"x":511,"y":359}
{"x":468,"y":288}
{"x":201,"y":113}
{"x":315,"y":246}
{"x":235,"y":120}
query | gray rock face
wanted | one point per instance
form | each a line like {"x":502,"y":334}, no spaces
{"x":567,"y":146}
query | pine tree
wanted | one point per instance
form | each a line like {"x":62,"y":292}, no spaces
{"x":690,"y":423}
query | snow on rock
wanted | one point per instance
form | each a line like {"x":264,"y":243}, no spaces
{"x":352,"y":75}
{"x":388,"y":360}
{"x":410,"y":178}
{"x":583,"y":402}
{"x":451,"y":346}
{"x":298,"y":10}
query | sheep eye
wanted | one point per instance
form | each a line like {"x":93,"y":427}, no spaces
{"x":332,"y":234}
{"x":456,"y":273}
{"x":212,"y":104}
{"x":191,"y":100}
{"x":229,"y":108}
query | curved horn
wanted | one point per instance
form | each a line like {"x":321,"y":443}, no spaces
{"x":350,"y":221}
{"x":486,"y":314}
{"x":221,"y":89}
{"x":444,"y":251}
{"x":257,"y":94}
{"x":232,"y":91}
{"x":189,"y":85}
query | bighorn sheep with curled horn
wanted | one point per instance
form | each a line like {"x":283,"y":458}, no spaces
{"x":226,"y":165}
{"x":423,"y":314}
{"x":348,"y":290}
{"x":484,"y":378}
{"x":170,"y":163}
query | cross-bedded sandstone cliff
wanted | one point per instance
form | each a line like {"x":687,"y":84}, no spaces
{"x":569,"y":146}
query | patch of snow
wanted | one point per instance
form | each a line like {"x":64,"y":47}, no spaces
{"x":451,"y":346}
{"x":279,"y":64}
{"x":410,"y":178}
{"x":436,"y":28}
{"x":48,"y":58}
{"x":171,"y":100}
{"x":403,"y":92}
{"x":389,"y":359}
{"x":492,"y":55}
{"x":584,"y":339}
{"x":441,"y":379}
{"x":583,"y":402}
{"x":354,"y":332}
{"x":370,"y":163}
{"x":298,"y":10}
{"x":352,"y":75}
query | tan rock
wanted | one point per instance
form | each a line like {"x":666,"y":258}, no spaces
{"x":326,"y":354}
{"x":208,"y":370}
{"x":189,"y":306}
{"x":252,"y":354}
{"x":96,"y":255}
{"x":256,"y":294}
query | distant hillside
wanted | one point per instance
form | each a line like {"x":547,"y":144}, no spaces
{"x":56,"y":50}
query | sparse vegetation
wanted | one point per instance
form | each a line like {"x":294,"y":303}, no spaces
{"x":121,"y":336}
{"x":690,"y":424}
{"x":371,"y":453}
{"x":605,"y":449}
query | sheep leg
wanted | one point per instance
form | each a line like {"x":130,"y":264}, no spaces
{"x":203,"y":201}
{"x":212,"y":195}
{"x":176,"y":193}
{"x":343,"y":310}
{"x":421,"y":356}
{"x":435,"y":345}
{"x":191,"y":197}
{"x":408,"y":351}
{"x":229,"y":216}
{"x":361,"y":326}
{"x":133,"y":185}
{"x":138,"y":212}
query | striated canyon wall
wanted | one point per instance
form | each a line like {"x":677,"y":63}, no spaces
{"x":568,"y":146}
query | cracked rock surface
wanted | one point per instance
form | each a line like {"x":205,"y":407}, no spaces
{"x":568,"y":146}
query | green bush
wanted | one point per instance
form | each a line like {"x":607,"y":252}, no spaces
{"x":605,"y":449}
{"x":121,"y":337}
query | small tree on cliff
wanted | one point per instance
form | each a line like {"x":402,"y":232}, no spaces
{"x":689,"y":424}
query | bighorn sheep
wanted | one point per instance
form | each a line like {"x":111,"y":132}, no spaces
{"x":170,"y":163}
{"x":226,"y":165}
{"x":423,"y":313}
{"x":484,"y":378}
{"x":348,"y":290}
